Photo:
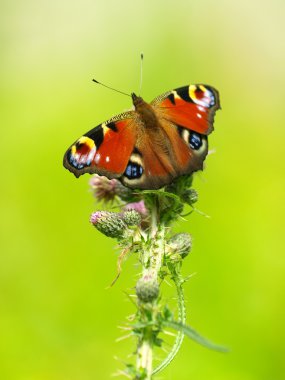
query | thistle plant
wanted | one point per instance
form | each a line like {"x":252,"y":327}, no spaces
{"x":143,"y":226}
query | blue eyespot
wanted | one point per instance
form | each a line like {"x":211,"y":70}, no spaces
{"x":71,"y":159}
{"x":133,"y":171}
{"x":195,"y":140}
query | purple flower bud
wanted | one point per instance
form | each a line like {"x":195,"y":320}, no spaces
{"x":96,"y":216}
{"x":137,"y":206}
{"x":109,"y":223}
{"x":106,"y":190}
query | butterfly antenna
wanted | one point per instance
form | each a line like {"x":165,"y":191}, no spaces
{"x":111,"y":88}
{"x":141,"y":76}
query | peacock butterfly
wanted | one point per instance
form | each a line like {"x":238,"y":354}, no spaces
{"x":148,"y":147}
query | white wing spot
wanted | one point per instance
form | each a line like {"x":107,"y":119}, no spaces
{"x":97,"y":158}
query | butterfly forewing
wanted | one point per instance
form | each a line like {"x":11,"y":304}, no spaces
{"x":192,"y":107}
{"x":104,"y":150}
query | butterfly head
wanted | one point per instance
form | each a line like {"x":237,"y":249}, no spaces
{"x":137,"y":100}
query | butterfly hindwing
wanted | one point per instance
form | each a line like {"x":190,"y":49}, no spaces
{"x":188,"y":148}
{"x":105,"y":149}
{"x":150,"y":162}
{"x":164,"y":154}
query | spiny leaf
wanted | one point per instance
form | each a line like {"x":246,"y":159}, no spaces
{"x":142,"y":325}
{"x":162,"y":193}
{"x":194,"y":335}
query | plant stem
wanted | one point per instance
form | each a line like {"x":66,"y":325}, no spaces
{"x":152,"y":261}
{"x":144,"y":355}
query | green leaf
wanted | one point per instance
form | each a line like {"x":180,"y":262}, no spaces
{"x":192,"y":334}
{"x":167,"y":314}
{"x":142,"y":325}
{"x":162,"y":193}
{"x":136,"y":374}
{"x":157,"y":342}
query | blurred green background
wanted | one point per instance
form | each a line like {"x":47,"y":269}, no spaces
{"x":57,"y":320}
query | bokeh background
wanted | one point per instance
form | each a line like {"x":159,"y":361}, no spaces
{"x":57,"y":320}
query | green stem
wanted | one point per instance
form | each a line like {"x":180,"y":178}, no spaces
{"x":144,"y":355}
{"x":152,"y":261}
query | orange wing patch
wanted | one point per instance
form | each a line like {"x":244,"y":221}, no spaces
{"x":192,"y":107}
{"x":114,"y":154}
{"x":105,"y":150}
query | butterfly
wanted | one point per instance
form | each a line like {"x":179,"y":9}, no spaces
{"x":150,"y":146}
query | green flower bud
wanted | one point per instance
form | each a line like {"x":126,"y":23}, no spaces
{"x":109,"y":223}
{"x":179,"y":184}
{"x":131,"y":218}
{"x":147,"y":288}
{"x":179,"y":244}
{"x":190,"y":196}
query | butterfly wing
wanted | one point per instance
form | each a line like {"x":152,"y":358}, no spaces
{"x":149,"y":166}
{"x":160,"y":157}
{"x":147,"y":155}
{"x":192,"y":107}
{"x":185,"y":117}
{"x":105,"y":149}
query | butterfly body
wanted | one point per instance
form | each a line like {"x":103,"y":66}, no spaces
{"x":150,"y":146}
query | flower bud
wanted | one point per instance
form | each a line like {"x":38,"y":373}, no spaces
{"x":179,"y":244}
{"x":106,"y":190}
{"x":190,"y":196}
{"x":109,"y":223}
{"x":137,"y":206}
{"x":147,"y":288}
{"x":179,"y":184}
{"x":131,"y":218}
